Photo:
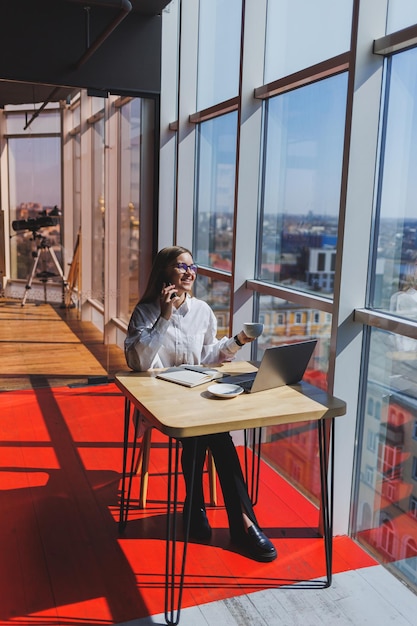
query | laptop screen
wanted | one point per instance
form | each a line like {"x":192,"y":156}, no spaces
{"x":281,"y":365}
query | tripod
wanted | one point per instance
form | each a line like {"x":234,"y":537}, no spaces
{"x":41,"y":255}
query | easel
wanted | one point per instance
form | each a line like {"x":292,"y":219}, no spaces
{"x":41,"y":254}
{"x":74,"y":272}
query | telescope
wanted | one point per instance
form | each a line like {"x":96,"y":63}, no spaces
{"x":43,"y":247}
{"x":35,"y":223}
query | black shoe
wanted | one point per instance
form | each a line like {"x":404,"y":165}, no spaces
{"x":256,"y":545}
{"x":200,"y":528}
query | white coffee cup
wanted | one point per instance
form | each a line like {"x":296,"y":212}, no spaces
{"x":253,"y":329}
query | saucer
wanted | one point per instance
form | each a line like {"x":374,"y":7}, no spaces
{"x":225,"y":390}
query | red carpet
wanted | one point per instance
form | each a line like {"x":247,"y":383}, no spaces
{"x":62,"y":559}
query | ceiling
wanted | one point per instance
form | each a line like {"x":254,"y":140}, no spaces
{"x":51,"y":48}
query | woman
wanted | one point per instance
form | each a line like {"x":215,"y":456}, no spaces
{"x":169,"y":327}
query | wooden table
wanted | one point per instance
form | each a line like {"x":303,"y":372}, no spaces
{"x":179,"y":411}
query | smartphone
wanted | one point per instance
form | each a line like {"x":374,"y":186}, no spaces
{"x":174,"y":294}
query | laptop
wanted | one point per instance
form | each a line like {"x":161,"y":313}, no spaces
{"x":280,"y":365}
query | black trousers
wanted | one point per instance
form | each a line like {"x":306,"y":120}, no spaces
{"x":235,"y":493}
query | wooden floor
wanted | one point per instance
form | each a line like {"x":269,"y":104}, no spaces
{"x":62,"y":562}
{"x":45,"y":345}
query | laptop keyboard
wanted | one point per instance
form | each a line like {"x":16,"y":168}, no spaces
{"x":245,"y":381}
{"x":246,"y":384}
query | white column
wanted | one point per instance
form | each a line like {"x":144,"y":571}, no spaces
{"x":356,"y":231}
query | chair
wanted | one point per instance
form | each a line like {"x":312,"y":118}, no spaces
{"x":142,"y":467}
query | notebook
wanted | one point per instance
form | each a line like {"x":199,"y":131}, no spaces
{"x":189,"y":375}
{"x":280,"y":365}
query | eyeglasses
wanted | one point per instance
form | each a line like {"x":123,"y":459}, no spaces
{"x":183,"y":267}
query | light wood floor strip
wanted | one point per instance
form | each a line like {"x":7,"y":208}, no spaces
{"x":45,"y":345}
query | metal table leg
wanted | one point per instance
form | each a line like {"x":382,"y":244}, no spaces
{"x":125,"y":498}
{"x":252,"y":482}
{"x":326,"y":456}
{"x":172,"y":587}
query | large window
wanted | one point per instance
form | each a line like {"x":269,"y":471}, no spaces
{"x":300,"y":34}
{"x":301,"y":192}
{"x":293,"y":450}
{"x":401,"y":13}
{"x":286,"y":322}
{"x":129,"y":214}
{"x":217,"y":294}
{"x":136,"y":196}
{"x":35,"y":189}
{"x":218,"y":51}
{"x":76,"y":171}
{"x":386,"y":466}
{"x":387,"y":501}
{"x":215,"y":191}
{"x":395,"y":263}
{"x":98,"y":211}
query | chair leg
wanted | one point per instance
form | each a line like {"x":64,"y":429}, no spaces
{"x":138,"y":466}
{"x":142,"y":466}
{"x":144,"y":453}
{"x":212,"y":474}
{"x":135,"y":419}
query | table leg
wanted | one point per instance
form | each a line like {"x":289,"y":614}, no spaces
{"x":125,"y":498}
{"x":172,"y":588}
{"x":253,"y":484}
{"x":326,"y":456}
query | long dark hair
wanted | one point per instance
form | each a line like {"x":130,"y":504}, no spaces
{"x":165,"y":257}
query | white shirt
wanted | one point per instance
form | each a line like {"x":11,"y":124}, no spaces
{"x":189,"y":336}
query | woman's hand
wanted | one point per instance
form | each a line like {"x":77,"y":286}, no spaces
{"x":167,"y":300}
{"x":243,"y":338}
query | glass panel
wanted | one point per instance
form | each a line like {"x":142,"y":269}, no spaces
{"x":35,"y":188}
{"x":217,"y":294}
{"x":215,"y":190}
{"x":302,"y":177}
{"x":45,"y":123}
{"x":293,"y":450}
{"x":300,"y":34}
{"x":129,"y":231}
{"x":218,"y":51}
{"x":96,"y":104}
{"x":394,"y":275}
{"x":401,"y":13}
{"x":76,"y":115}
{"x":76,"y":181}
{"x":386,"y":507}
{"x":98,"y":211}
{"x":286,"y":322}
